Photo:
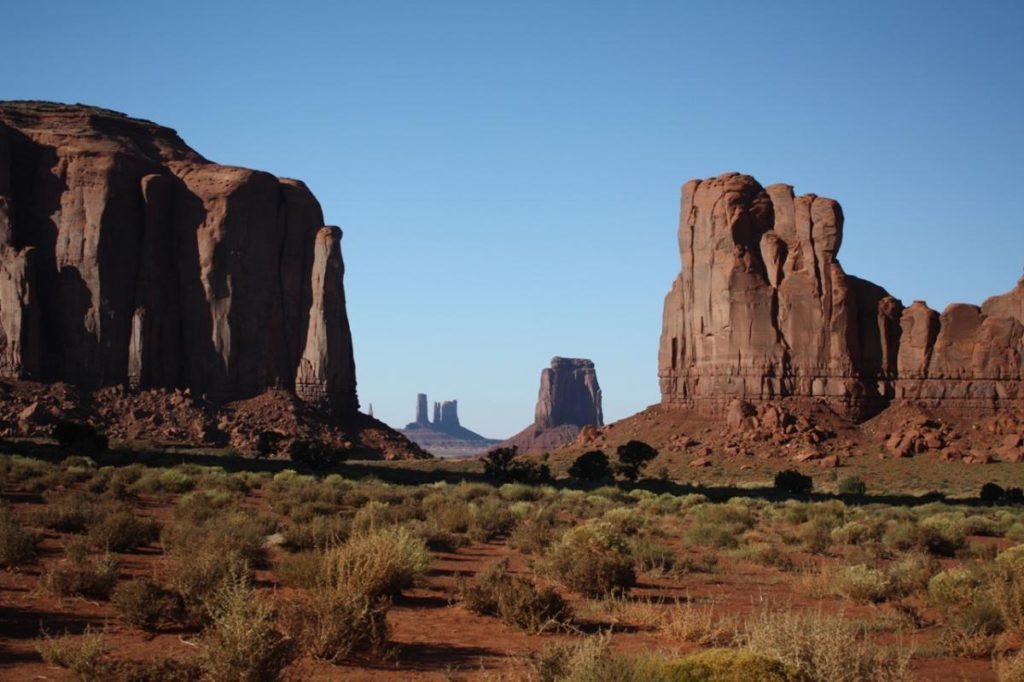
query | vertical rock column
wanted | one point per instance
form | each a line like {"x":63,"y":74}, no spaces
{"x":421,"y":409}
{"x":569,"y":394}
{"x":19,"y":314}
{"x":326,"y":372}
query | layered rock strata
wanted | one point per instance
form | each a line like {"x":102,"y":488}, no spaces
{"x":762,"y":310}
{"x":126,"y":258}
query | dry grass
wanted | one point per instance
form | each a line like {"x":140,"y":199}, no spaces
{"x":824,"y":648}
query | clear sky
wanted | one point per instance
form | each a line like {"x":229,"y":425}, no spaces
{"x":507,"y":173}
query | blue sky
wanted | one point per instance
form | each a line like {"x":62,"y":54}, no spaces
{"x":507,"y":174}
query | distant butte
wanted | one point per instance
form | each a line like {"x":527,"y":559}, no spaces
{"x":444,"y":436}
{"x":568,"y":402}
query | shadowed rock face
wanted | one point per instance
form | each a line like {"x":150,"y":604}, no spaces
{"x":128,"y":258}
{"x":569,"y":394}
{"x":763,"y":310}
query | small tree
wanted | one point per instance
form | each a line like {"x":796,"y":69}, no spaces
{"x":501,"y":466}
{"x":591,"y":466}
{"x":633,"y":457}
{"x":793,"y":482}
{"x":498,"y":461}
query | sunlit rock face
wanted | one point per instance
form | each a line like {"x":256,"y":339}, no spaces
{"x":762,"y":310}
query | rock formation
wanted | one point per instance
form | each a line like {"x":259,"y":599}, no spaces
{"x":421,"y":410}
{"x":444,"y":436}
{"x":762,"y":310}
{"x":126,"y":258}
{"x":569,"y":400}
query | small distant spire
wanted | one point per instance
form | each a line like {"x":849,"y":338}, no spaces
{"x":371,"y":409}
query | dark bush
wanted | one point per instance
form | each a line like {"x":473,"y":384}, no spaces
{"x":78,"y":574}
{"x":793,"y":482}
{"x":517,"y":601}
{"x":992,"y":492}
{"x":310,"y":454}
{"x":268,"y":443}
{"x":123,"y":531}
{"x":145,"y":604}
{"x":501,"y":466}
{"x":591,"y":466}
{"x":79,"y":437}
{"x":633,"y":457}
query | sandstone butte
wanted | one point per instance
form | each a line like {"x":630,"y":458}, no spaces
{"x":445,"y":436}
{"x":763,"y":311}
{"x":568,"y":403}
{"x":128,"y":259}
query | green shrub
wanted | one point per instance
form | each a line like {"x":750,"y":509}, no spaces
{"x":231,"y":534}
{"x":319,"y":532}
{"x":714,"y":665}
{"x":852,"y":485}
{"x":197,"y":577}
{"x":1006,"y":590}
{"x":651,"y":555}
{"x":145,"y":604}
{"x":518,"y":602}
{"x":589,"y":660}
{"x":942,"y":535}
{"x":770,"y":555}
{"x":78,"y":574}
{"x":242,"y":644}
{"x":378,"y":563}
{"x":910,"y":574}
{"x":75,"y":512}
{"x":332,"y":625}
{"x":857,"y":533}
{"x":122,"y":531}
{"x":861,"y":583}
{"x":17,"y":545}
{"x":593,"y":560}
{"x":489,"y":519}
{"x":82,"y":654}
{"x":533,"y":535}
{"x":303,"y":569}
{"x":954,"y":587}
{"x":816,"y":536}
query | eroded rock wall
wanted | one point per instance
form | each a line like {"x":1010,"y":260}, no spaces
{"x":763,"y":310}
{"x":128,"y":258}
